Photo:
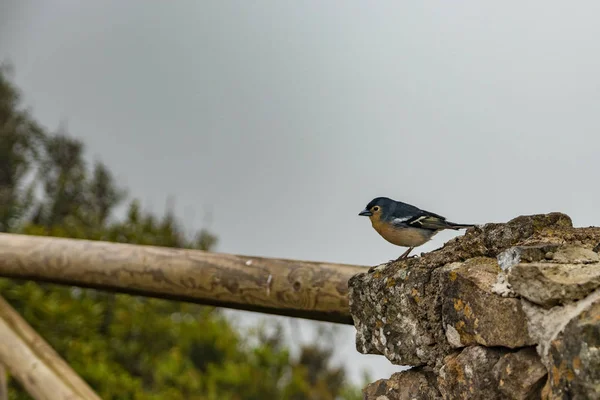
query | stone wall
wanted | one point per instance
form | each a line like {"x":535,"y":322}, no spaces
{"x":507,"y":311}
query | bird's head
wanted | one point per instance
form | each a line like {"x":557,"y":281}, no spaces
{"x":378,"y":207}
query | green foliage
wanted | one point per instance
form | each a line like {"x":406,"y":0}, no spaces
{"x":130,"y":347}
{"x":20,"y":140}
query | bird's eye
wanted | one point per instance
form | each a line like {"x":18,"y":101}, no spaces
{"x":376,"y":208}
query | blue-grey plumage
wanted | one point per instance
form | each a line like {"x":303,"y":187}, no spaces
{"x":404,"y":224}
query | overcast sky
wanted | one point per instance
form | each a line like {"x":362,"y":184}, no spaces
{"x":284,"y":118}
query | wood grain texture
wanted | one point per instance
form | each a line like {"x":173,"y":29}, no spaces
{"x":301,"y":289}
{"x":30,"y":360}
{"x":3,"y":383}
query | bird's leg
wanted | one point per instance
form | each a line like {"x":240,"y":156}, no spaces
{"x":404,"y":255}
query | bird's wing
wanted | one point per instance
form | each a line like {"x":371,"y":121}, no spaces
{"x":420,"y":219}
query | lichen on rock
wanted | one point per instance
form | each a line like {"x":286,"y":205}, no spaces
{"x":479,"y":316}
{"x":469,"y":374}
{"x":574,"y":357}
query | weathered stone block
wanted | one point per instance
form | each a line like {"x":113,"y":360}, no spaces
{"x":475,"y":373}
{"x":520,"y":375}
{"x":469,"y":375}
{"x":552,"y":283}
{"x":473,"y":314}
{"x":575,"y":358}
{"x":414,"y":384}
{"x":395,"y":314}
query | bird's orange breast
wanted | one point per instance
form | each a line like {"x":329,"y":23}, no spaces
{"x":405,"y":237}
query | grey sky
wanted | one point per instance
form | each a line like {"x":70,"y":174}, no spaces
{"x":285,"y":118}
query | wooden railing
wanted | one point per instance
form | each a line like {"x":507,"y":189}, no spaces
{"x":302,"y":289}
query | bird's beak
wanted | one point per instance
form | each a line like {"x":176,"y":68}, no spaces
{"x":365,"y":213}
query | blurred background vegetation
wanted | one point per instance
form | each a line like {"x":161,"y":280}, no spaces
{"x":129,"y":347}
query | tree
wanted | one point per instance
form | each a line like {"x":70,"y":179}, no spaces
{"x":20,"y":138}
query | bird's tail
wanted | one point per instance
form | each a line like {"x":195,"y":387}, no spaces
{"x":436,"y":222}
{"x":455,"y":226}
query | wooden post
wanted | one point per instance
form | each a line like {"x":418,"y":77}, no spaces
{"x":30,"y":360}
{"x":302,"y":289}
{"x":3,"y":383}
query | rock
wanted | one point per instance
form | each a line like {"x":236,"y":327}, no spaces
{"x":472,"y":311}
{"x":414,"y":384}
{"x":514,"y":255}
{"x":575,"y":255}
{"x":520,"y":375}
{"x":397,"y":307}
{"x":575,"y":358}
{"x":549,"y":284}
{"x":469,"y":375}
{"x":415,"y":315}
{"x":473,"y":314}
{"x":396,"y":314}
{"x":498,"y":237}
{"x":475,"y":373}
{"x":490,"y":240}
{"x":545,"y":325}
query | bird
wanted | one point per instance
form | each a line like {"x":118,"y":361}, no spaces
{"x":405,"y":225}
